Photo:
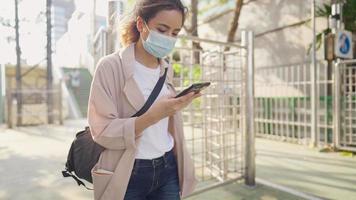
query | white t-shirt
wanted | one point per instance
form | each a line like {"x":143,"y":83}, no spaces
{"x":155,"y":140}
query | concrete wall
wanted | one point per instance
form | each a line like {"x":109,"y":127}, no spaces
{"x":282,"y":47}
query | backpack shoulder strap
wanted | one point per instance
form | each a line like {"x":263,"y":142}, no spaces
{"x":154,"y":94}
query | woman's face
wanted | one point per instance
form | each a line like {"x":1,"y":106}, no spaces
{"x":167,"y":22}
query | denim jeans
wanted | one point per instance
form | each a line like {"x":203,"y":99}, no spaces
{"x":155,"y":179}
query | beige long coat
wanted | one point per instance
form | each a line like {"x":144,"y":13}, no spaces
{"x":114,"y":97}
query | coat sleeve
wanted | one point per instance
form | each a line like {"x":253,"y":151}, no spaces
{"x":106,"y":127}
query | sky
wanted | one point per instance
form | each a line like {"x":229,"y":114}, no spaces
{"x":32,"y":30}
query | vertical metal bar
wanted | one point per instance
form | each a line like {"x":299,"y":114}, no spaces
{"x":2,"y":92}
{"x":348,"y":100}
{"x":114,"y":10}
{"x":313,"y":84}
{"x":60,"y":105}
{"x":250,"y":134}
{"x":337,"y":105}
{"x":287,"y":102}
{"x":204,"y":120}
{"x":298,"y":103}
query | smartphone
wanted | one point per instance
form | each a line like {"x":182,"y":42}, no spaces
{"x":196,"y":87}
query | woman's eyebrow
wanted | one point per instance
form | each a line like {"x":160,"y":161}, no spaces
{"x":168,"y":27}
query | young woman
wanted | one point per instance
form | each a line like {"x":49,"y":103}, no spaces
{"x":146,"y":156}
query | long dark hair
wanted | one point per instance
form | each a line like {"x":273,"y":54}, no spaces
{"x":146,"y":9}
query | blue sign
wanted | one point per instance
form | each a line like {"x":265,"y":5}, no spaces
{"x":343,"y":46}
{"x":345,"y":43}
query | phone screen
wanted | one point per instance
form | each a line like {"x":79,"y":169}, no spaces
{"x":196,"y":87}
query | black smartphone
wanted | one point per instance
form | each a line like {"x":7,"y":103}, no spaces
{"x":196,"y":87}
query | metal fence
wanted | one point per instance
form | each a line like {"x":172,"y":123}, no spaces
{"x":216,"y":125}
{"x":283,"y":104}
{"x":345,"y":105}
{"x":34,"y":107}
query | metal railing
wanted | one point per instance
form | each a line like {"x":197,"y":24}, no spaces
{"x":283,"y":104}
{"x":345,"y":105}
{"x":218,"y":125}
{"x":34,"y":106}
{"x":100,"y":45}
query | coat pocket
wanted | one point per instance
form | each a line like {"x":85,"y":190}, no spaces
{"x":101,"y":179}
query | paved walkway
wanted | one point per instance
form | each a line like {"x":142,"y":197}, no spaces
{"x":327,"y":175}
{"x":31,"y":159}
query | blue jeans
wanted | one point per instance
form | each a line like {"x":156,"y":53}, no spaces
{"x":155,"y":179}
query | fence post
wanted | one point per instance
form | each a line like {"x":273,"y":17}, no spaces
{"x":248,"y":42}
{"x":313,"y":78}
{"x":60,"y":105}
{"x":9,"y":107}
{"x":337,"y":105}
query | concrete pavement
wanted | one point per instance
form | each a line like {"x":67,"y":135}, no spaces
{"x":327,"y":175}
{"x":31,"y":160}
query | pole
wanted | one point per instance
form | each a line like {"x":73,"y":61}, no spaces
{"x":18,"y":67}
{"x":115,"y":10}
{"x":93,"y":35}
{"x":49,"y":64}
{"x":314,"y":129}
{"x":337,"y":105}
{"x":111,"y":25}
{"x":2,"y":93}
{"x":60,"y":99}
{"x":9,"y":107}
{"x":249,"y":122}
{"x":337,"y":24}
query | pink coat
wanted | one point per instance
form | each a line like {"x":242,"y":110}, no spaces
{"x":114,"y":97}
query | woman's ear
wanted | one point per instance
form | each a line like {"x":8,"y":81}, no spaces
{"x":139,"y":24}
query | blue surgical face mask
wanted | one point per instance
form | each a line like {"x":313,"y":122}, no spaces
{"x":157,"y":44}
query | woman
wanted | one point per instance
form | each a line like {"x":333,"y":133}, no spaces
{"x":146,"y":156}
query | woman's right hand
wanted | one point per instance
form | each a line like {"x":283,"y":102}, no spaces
{"x":168,"y":105}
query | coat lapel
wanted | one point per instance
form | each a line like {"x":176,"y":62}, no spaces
{"x":131,"y":89}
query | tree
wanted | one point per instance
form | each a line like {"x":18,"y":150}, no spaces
{"x":49,"y":63}
{"x":234,"y":22}
{"x":18,"y":66}
{"x":193,"y":29}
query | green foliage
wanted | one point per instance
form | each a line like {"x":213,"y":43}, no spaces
{"x":349,"y":14}
{"x":349,"y":17}
{"x":323,"y":11}
{"x":182,"y":72}
{"x":319,"y":40}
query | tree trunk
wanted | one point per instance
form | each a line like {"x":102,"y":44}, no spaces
{"x":18,"y":68}
{"x":49,"y":63}
{"x":235,"y":22}
{"x":194,"y":31}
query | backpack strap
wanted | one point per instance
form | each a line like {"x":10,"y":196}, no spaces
{"x":67,"y":173}
{"x":154,"y":94}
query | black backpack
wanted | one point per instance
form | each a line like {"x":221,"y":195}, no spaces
{"x":84,"y":152}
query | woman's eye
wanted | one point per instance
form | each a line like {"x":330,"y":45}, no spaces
{"x":161,"y":31}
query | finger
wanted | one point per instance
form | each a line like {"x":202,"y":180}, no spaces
{"x":197,"y":95}
{"x":185,"y":97}
{"x":176,"y":101}
{"x":171,"y":95}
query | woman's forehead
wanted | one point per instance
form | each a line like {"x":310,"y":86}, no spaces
{"x":171,"y":18}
